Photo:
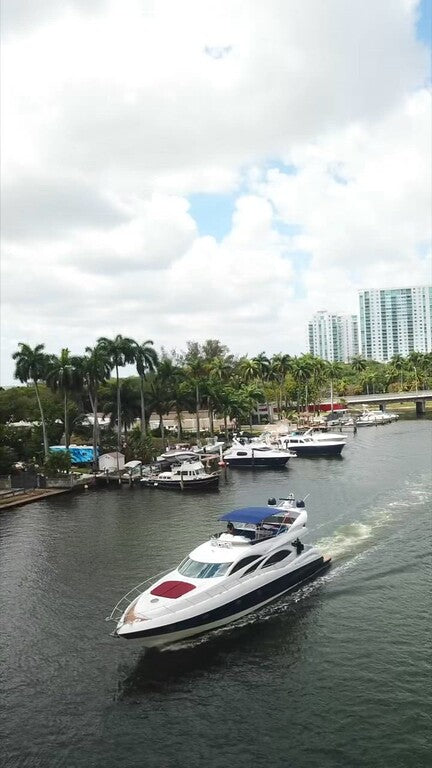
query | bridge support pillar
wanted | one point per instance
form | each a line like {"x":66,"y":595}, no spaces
{"x":420,"y":407}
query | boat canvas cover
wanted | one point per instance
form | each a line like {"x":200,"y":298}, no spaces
{"x":248,"y":515}
{"x":82,"y":454}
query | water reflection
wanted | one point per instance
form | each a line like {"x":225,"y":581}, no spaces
{"x":254,"y":641}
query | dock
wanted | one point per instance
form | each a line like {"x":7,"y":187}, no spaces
{"x":18,"y":496}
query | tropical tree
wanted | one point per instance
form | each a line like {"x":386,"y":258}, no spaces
{"x":333,"y":371}
{"x":32,"y":364}
{"x":368,"y":380}
{"x":146,"y":360}
{"x":119,"y":352}
{"x":358,"y":364}
{"x":398,"y":365}
{"x":220,"y":374}
{"x":280,"y":365}
{"x":62,"y":376}
{"x":162,"y":399}
{"x":130,"y":403}
{"x":196,"y":371}
{"x":96,"y":369}
{"x":415,"y":362}
{"x":263,"y":363}
{"x":302,"y":373}
{"x":249,"y":371}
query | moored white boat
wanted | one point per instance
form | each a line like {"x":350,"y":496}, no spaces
{"x":256,"y":454}
{"x":373,"y":418}
{"x":257,"y":560}
{"x":184,"y":476}
{"x":312,"y":444}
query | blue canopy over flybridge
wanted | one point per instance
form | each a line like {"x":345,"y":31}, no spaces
{"x":80,"y":454}
{"x":248,"y":515}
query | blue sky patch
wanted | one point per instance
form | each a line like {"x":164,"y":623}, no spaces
{"x":424,"y":22}
{"x":213,"y":214}
{"x":301,"y":262}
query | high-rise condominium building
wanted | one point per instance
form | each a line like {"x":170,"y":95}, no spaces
{"x":334,"y":337}
{"x":395,"y":321}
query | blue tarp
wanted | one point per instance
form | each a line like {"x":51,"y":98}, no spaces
{"x":248,"y":515}
{"x":80,"y":454}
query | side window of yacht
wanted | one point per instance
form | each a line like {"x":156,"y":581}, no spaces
{"x":241,"y":453}
{"x":277,"y":557}
{"x":244,"y":561}
{"x":252,"y":568}
{"x":197,"y":570}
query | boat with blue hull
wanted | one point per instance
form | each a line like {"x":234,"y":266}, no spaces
{"x":256,"y":560}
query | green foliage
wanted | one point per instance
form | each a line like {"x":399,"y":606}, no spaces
{"x":8,"y":457}
{"x":140,"y":447}
{"x":58,"y":462}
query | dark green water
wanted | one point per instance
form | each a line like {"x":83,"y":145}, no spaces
{"x":337,"y":674}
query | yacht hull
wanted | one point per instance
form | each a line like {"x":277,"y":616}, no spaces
{"x":219,"y":616}
{"x":210,"y":483}
{"x":317,"y":450}
{"x":247,"y":462}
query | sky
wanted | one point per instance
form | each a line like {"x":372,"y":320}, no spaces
{"x":203,"y":169}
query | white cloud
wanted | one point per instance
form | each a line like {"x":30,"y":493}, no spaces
{"x":362,"y":197}
{"x":113,"y":115}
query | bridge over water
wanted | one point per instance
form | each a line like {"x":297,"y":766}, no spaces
{"x":384,"y":398}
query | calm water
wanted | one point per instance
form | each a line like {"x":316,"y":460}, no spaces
{"x":337,"y":674}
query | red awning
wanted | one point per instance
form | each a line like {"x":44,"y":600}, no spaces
{"x":172,"y":589}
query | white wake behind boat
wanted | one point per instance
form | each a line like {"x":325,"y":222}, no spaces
{"x":257,"y":560}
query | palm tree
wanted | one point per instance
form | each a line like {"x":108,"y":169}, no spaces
{"x":62,"y":375}
{"x":162,"y":400}
{"x":334,"y":371}
{"x":368,"y":380}
{"x":302,"y":372}
{"x":263,"y":363}
{"x":416,"y":361}
{"x":398,"y":363}
{"x":280,"y":365}
{"x":249,"y":371}
{"x":197,"y":370}
{"x":119,"y":352}
{"x":146,"y":360}
{"x":358,"y":364}
{"x":130,"y":403}
{"x":220,"y":372}
{"x":96,"y":370}
{"x":32,"y":364}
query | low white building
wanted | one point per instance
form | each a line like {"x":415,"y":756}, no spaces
{"x":108,"y":461}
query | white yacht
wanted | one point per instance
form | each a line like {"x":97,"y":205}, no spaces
{"x":182,"y":452}
{"x":373,"y":418}
{"x":309,"y":444}
{"x":256,"y":453}
{"x":256,"y":560}
{"x":324,"y":435}
{"x":184,"y":476}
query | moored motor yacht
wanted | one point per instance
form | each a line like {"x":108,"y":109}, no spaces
{"x":256,"y":453}
{"x":256,"y":560}
{"x":184,"y":476}
{"x":309,"y":444}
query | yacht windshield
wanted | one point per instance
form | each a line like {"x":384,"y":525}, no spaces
{"x":196,"y":570}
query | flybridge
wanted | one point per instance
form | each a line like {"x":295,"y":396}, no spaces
{"x":251,"y":515}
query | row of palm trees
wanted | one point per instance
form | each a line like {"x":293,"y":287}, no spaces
{"x":69,"y":374}
{"x":205,"y":376}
